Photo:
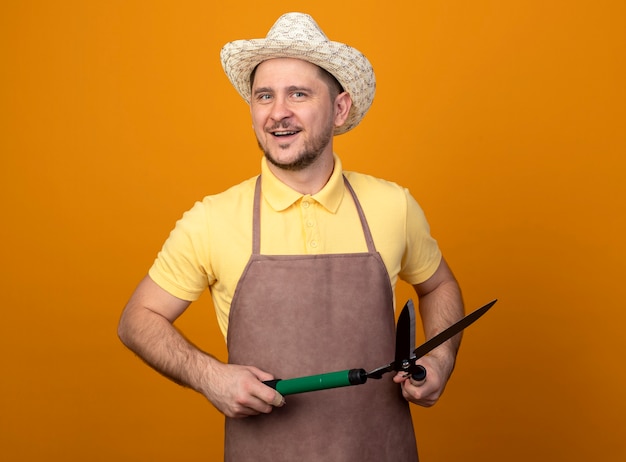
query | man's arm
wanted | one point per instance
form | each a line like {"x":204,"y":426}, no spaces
{"x":440,"y":305}
{"x":146,"y":327}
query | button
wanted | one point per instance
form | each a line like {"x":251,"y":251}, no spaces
{"x":305,"y":205}
{"x":310,"y":224}
{"x":314,"y":244}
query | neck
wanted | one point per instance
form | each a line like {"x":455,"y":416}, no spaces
{"x":309,"y":180}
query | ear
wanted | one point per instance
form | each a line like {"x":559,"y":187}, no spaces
{"x":343,"y":103}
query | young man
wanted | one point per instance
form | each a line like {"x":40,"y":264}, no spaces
{"x":301,"y":263}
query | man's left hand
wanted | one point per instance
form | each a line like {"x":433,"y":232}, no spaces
{"x":426,"y":392}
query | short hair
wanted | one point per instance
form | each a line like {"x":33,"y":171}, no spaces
{"x":333,"y":84}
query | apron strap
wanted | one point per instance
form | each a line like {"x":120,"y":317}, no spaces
{"x":366,"y":229}
{"x":256,"y":219}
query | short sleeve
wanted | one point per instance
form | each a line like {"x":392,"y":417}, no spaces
{"x":422,"y":255}
{"x":181,"y":266}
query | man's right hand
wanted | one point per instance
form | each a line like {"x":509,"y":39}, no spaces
{"x":146,"y":327}
{"x":238,"y":391}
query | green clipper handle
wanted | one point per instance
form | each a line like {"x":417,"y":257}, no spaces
{"x":318,"y":382}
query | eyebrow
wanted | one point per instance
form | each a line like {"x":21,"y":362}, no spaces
{"x":262,"y":90}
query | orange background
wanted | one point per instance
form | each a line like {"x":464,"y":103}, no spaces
{"x":505,"y":119}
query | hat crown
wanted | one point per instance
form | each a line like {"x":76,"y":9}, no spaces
{"x":298,"y":27}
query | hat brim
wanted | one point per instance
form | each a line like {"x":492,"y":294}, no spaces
{"x":349,"y":66}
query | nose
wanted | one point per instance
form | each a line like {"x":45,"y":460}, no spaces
{"x":280,"y":109}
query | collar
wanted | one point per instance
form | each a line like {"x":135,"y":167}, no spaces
{"x":280,"y":196}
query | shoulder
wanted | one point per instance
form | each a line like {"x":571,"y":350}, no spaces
{"x":231,"y":197}
{"x":388,"y":202}
{"x":222,"y":208}
{"x":377,"y":192}
{"x":362,"y":180}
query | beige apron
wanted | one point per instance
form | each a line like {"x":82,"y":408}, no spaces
{"x":298,"y":315}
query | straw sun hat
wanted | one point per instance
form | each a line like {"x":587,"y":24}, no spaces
{"x":297,"y":35}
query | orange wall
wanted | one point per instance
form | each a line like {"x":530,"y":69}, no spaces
{"x":505,"y":119}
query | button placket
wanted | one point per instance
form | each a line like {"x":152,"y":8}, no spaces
{"x":311,"y":231}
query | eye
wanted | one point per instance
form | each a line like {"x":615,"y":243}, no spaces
{"x":262,"y":98}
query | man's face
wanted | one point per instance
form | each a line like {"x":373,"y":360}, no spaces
{"x":292,"y":113}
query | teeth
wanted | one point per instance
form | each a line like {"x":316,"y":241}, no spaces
{"x":284,"y":133}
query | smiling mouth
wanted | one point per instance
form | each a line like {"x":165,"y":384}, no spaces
{"x":285,"y":133}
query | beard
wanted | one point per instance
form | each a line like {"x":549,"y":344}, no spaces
{"x":311,"y":151}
